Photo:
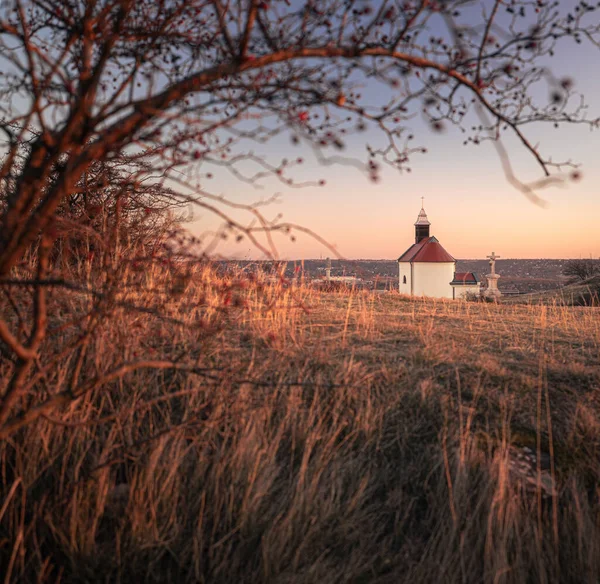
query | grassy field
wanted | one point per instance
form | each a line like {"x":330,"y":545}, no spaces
{"x":315,"y":437}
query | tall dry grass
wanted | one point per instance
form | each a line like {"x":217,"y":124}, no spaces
{"x":324,"y":437}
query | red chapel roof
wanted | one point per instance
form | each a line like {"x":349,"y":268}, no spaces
{"x":427,"y":250}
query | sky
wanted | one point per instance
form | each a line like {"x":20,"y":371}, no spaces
{"x":472,"y":208}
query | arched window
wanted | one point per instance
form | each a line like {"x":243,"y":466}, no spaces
{"x":404,"y":279}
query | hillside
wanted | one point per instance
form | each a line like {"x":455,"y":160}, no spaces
{"x":347,"y":437}
{"x":586,"y":293}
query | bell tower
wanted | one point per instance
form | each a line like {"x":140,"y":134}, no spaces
{"x":422,"y":225}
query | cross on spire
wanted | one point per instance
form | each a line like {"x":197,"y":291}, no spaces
{"x":422,"y":202}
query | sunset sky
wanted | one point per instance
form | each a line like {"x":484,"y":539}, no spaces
{"x":472,"y":207}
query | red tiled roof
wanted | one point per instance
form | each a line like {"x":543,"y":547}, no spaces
{"x":412,"y":250}
{"x":427,"y":250}
{"x":464,"y":278}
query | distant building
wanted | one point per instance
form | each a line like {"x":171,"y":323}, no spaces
{"x":427,"y":269}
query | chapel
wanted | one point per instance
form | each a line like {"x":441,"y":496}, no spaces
{"x":427,"y":269}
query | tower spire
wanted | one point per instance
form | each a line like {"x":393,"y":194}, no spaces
{"x":422,"y":224}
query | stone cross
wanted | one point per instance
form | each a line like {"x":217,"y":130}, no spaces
{"x":493,"y":259}
{"x":492,"y":287}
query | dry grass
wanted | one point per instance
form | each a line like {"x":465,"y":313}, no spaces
{"x":341,"y":437}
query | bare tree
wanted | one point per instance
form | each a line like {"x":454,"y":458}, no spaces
{"x":190,"y":85}
{"x":581,"y":269}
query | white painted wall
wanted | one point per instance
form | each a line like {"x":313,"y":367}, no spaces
{"x":461,"y":291}
{"x":433,"y":279}
{"x":404,"y":270}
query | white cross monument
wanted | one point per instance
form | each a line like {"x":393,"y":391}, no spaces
{"x":492,"y":278}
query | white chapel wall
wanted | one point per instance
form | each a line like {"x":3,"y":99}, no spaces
{"x":404,"y":272}
{"x":433,"y":279}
